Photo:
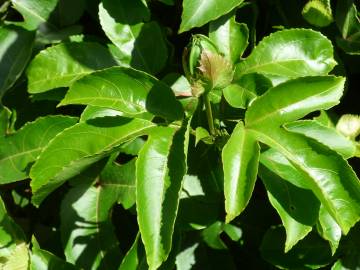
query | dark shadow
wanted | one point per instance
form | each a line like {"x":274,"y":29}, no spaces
{"x":109,"y":121}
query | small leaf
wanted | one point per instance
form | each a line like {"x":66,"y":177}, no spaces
{"x":135,"y":257}
{"x":132,"y":92}
{"x":349,"y":126}
{"x":318,"y":12}
{"x":201,"y":134}
{"x":86,"y":231}
{"x":230,"y":37}
{"x":20,"y":150}
{"x":240,"y":158}
{"x":74,"y":149}
{"x":196,"y":13}
{"x":15,"y":50}
{"x":61,"y":65}
{"x":160,"y":169}
{"x":289,"y":54}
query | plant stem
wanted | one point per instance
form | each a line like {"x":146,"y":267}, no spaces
{"x":209,"y":114}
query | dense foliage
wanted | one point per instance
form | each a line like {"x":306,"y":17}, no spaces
{"x":168,"y":134}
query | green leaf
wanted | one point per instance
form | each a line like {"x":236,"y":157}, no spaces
{"x":298,"y":208}
{"x":160,"y":169}
{"x":325,"y":135}
{"x":19,"y":258}
{"x":15,"y":50}
{"x":310,"y":253}
{"x":86,"y":230}
{"x":119,"y":181}
{"x":79,"y":146}
{"x":329,"y":229}
{"x":20,"y":150}
{"x":328,"y":175}
{"x":92,"y":112}
{"x":68,"y":12}
{"x":244,"y":91}
{"x":318,"y":12}
{"x":240,"y":158}
{"x":35,"y":12}
{"x":141,"y":45}
{"x":135,"y":257}
{"x":44,"y":260}
{"x":294,"y":99}
{"x":5,"y":115}
{"x":211,"y":235}
{"x":230,"y":37}
{"x":289,"y":54}
{"x":196,"y":13}
{"x":61,"y":65}
{"x":132,"y":92}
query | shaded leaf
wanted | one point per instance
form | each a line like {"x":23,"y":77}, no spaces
{"x":318,"y":12}
{"x":86,"y":230}
{"x":15,"y":50}
{"x":298,"y":208}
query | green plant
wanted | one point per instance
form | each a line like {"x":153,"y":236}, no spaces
{"x":108,"y":151}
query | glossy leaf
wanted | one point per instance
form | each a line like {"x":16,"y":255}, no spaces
{"x":74,"y":150}
{"x":294,"y":99}
{"x":44,"y":260}
{"x":329,"y":176}
{"x":160,"y":169}
{"x":61,"y":65}
{"x":15,"y":50}
{"x":290,"y":54}
{"x":329,"y":229}
{"x":141,"y":45}
{"x":20,"y":150}
{"x":325,"y":135}
{"x":240,"y":158}
{"x":230,"y":37}
{"x":86,"y":230}
{"x":35,"y":12}
{"x":91,"y":112}
{"x":132,"y":92}
{"x":298,"y":208}
{"x":196,"y":13}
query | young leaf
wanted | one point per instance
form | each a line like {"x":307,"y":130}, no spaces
{"x":15,"y":50}
{"x":141,"y":45}
{"x":325,"y":135}
{"x":328,"y":175}
{"x":298,"y":208}
{"x":318,"y":12}
{"x":230,"y":37}
{"x":91,"y":112}
{"x":20,"y":150}
{"x":290,"y":54}
{"x":196,"y":13}
{"x":294,"y":99}
{"x":135,"y":257}
{"x":132,"y":92}
{"x":240,"y":158}
{"x":160,"y":169}
{"x":86,"y":230}
{"x":79,"y":146}
{"x":61,"y":65}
